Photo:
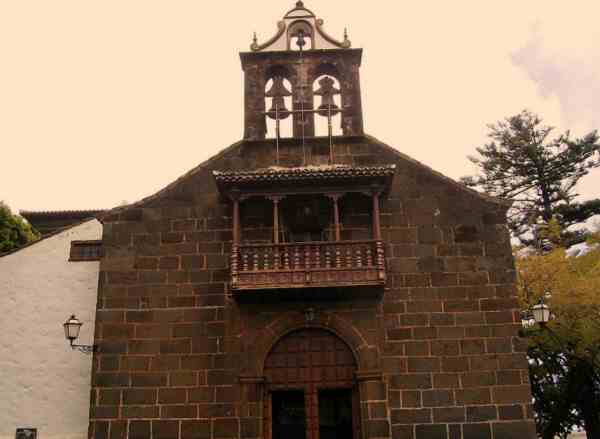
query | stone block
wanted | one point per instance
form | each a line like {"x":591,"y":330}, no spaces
{"x":478,"y":431}
{"x":139,"y":430}
{"x":510,"y":412}
{"x":448,"y":414}
{"x":511,"y":394}
{"x":482,"y":413}
{"x":433,"y":431}
{"x":509,"y":430}
{"x":172,"y":396}
{"x":180,"y":411}
{"x":411,"y":416}
{"x":165,"y":429}
{"x":226,"y":428}
{"x":445,"y":380}
{"x":438,"y":398}
{"x":475,"y":395}
{"x":411,"y":381}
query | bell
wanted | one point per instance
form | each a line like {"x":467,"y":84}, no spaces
{"x":300,"y":42}
{"x":327,"y":91}
{"x":277,"y":93}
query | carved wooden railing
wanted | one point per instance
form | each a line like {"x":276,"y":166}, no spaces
{"x":307,"y":264}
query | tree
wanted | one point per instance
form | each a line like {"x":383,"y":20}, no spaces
{"x":565,"y":356}
{"x":14,"y":230}
{"x":539,"y":173}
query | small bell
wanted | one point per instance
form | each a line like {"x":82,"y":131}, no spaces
{"x":300,"y":42}
{"x":327,"y":91}
{"x":278,"y":92}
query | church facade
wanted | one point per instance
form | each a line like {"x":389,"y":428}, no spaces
{"x":308,"y":286}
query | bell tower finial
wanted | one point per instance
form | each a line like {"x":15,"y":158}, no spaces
{"x":299,"y":4}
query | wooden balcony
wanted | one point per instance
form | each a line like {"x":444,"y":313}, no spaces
{"x":307,"y":265}
{"x":306,"y":270}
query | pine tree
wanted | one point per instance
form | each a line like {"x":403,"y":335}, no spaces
{"x":539,"y":173}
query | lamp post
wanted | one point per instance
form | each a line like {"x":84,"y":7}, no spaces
{"x":72,"y":327}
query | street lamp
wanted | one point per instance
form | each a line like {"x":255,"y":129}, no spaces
{"x":72,"y":327}
{"x":541,"y":312}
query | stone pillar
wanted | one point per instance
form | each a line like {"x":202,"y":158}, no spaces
{"x":303,"y":100}
{"x":255,"y":126}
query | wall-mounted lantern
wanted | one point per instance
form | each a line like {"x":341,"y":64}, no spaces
{"x":72,"y":327}
{"x":541,"y":312}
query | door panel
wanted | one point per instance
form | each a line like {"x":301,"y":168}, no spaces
{"x":335,"y":413}
{"x":319,"y":365}
{"x":289,"y":416}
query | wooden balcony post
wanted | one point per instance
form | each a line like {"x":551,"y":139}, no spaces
{"x":376,"y":221}
{"x":336,"y":215}
{"x":275,"y":201}
{"x":235,"y":197}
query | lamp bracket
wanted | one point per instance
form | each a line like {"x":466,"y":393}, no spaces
{"x":85,"y":348}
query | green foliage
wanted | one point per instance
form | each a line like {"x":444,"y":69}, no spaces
{"x":564,"y":356}
{"x":522,"y":162}
{"x":14,"y":230}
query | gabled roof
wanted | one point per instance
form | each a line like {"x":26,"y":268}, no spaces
{"x":506,"y":203}
{"x":206,"y":165}
{"x":47,"y":222}
{"x":49,"y":235}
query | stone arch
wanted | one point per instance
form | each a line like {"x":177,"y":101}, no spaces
{"x":280,"y":70}
{"x":328,"y":69}
{"x":297,"y":27}
{"x":259,"y":346}
{"x":327,"y":87}
{"x":279,"y":87}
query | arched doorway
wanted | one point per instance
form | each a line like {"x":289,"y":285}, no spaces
{"x":311,"y":391}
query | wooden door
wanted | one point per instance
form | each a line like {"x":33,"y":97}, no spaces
{"x":311,"y":361}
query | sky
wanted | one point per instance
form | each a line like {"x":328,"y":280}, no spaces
{"x":107,"y":102}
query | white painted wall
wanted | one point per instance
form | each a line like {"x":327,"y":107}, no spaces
{"x":43,"y":383}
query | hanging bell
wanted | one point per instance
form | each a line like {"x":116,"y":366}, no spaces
{"x":277,"y":93}
{"x":327,"y":91}
{"x":300,"y":42}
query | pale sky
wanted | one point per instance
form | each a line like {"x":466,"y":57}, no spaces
{"x":107,"y":101}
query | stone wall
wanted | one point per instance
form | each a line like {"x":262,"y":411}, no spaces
{"x":438,"y":352}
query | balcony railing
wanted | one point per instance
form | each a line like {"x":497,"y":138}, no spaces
{"x":307,"y":264}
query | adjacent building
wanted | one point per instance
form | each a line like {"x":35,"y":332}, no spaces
{"x":44,"y":386}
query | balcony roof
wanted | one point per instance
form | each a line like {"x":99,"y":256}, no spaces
{"x":323,"y":175}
